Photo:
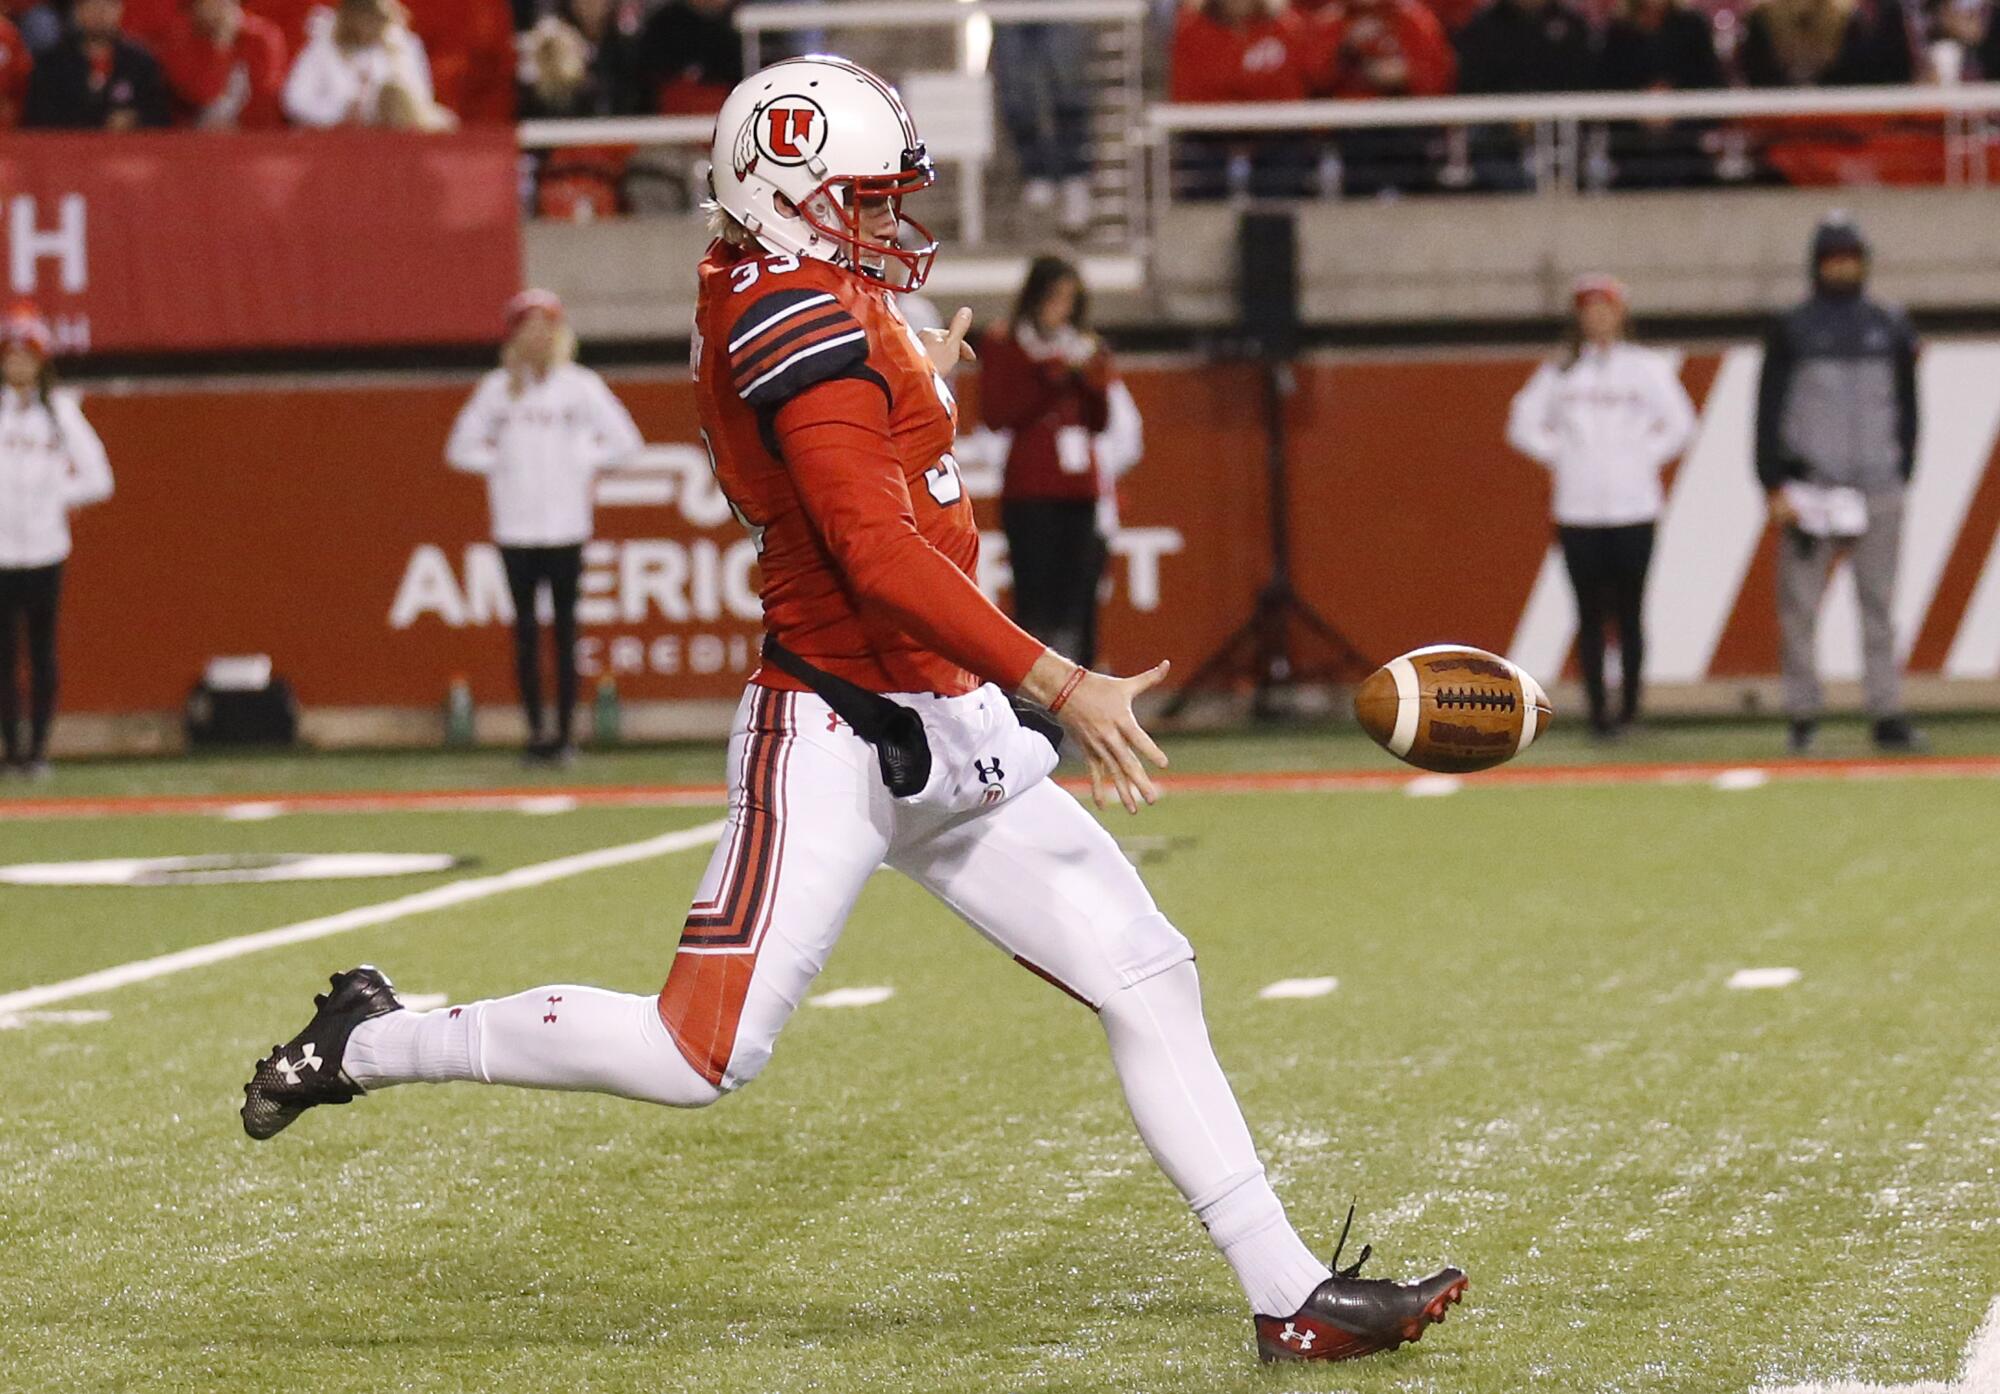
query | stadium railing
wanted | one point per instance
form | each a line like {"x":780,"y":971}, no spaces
{"x":950,"y":91}
{"x":1563,"y":143}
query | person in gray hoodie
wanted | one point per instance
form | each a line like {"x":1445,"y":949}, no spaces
{"x":1836,"y":442}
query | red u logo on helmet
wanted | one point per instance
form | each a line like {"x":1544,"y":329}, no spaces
{"x":790,"y":127}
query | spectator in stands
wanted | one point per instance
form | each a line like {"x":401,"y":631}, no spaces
{"x":1379,"y":48}
{"x":1242,"y":51}
{"x":1605,"y":417}
{"x":1045,"y":101}
{"x":1964,"y":41}
{"x":51,"y":463}
{"x":1837,"y":418}
{"x":225,"y":68}
{"x":1826,"y":43}
{"x":1512,"y":47}
{"x":473,"y":57}
{"x":17,"y":64}
{"x":362,"y":66}
{"x":96,"y":79}
{"x":1045,"y":381}
{"x":1515,"y":46}
{"x":538,"y":428}
{"x":1659,"y":46}
{"x":582,"y":60}
{"x":690,"y":55}
{"x":149,"y":22}
{"x":40,"y":23}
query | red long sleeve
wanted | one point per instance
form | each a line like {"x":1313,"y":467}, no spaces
{"x":834,"y":440}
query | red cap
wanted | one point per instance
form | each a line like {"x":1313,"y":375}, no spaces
{"x":1609,"y":287}
{"x":530,"y":302}
{"x":24,"y":325}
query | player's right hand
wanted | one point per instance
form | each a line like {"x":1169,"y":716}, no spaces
{"x":1099,"y":717}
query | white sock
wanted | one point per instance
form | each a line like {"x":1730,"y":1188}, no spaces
{"x":1189,"y":1119}
{"x":559,"y":1037}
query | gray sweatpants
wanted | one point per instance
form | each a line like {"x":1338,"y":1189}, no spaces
{"x":1804,"y":565}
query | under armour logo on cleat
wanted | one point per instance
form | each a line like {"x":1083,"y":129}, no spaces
{"x":308,"y":1058}
{"x":550,"y":1015}
{"x":1292,"y":1336}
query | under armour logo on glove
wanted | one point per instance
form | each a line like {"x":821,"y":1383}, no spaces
{"x":992,"y":774}
{"x":550,"y":1015}
{"x":308,"y":1059}
{"x":1292,"y":1336}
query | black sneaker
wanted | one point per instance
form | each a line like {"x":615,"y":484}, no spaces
{"x":1802,"y":737}
{"x":306,"y":1070}
{"x":1895,"y":735}
{"x":1347,"y":1316}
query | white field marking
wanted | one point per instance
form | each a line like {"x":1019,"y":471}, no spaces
{"x":852,"y":997}
{"x":252,"y":812}
{"x":1979,"y":1375}
{"x":16,"y":1020}
{"x":424,"y":1001}
{"x":1433,"y":786}
{"x":1298,"y":987}
{"x":1748,"y":979}
{"x":445,"y":897}
{"x":1730,"y":781}
{"x":545,"y":804}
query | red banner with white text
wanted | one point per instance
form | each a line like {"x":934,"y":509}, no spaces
{"x":320,"y":525}
{"x":289,"y":239}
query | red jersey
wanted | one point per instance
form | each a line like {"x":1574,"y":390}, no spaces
{"x":831,"y":435}
{"x":199,"y":73}
{"x":1052,"y":408}
{"x":1263,"y":60}
{"x":16,"y":63}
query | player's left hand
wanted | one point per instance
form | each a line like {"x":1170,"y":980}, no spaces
{"x":947,"y":347}
{"x":1098,"y":714}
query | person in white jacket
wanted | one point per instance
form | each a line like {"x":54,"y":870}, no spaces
{"x":1605,"y":417}
{"x":539,"y":427}
{"x":362,"y":65}
{"x":51,"y":462}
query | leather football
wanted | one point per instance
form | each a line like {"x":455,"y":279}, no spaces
{"x":1452,"y":710}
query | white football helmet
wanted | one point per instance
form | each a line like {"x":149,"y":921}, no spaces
{"x":799,"y":145}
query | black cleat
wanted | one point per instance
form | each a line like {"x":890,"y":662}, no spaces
{"x":1347,"y":1316}
{"x":306,"y":1070}
{"x":1895,"y":736}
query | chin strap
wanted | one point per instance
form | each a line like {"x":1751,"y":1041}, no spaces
{"x":1353,"y":1269}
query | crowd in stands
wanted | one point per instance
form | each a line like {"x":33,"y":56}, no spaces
{"x":1288,"y":50}
{"x":404,"y":64}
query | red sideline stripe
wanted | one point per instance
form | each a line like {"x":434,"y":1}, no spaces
{"x":1268,"y":782}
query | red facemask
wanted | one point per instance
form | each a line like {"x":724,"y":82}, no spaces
{"x":834,"y":212}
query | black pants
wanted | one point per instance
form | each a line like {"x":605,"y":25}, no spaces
{"x":28,"y":601}
{"x":1058,"y":559}
{"x":1607,"y":566}
{"x":528,"y":570}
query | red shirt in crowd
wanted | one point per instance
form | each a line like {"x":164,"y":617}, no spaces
{"x":1263,"y":60}
{"x":15,"y":65}
{"x":1052,"y":406}
{"x":150,"y":21}
{"x":1377,"y":48}
{"x":249,"y":71}
{"x":471,"y":48}
{"x":288,"y":15}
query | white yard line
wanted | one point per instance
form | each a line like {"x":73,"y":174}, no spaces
{"x":445,"y":897}
{"x":1298,"y":987}
{"x":1981,"y":1374}
{"x":852,"y":997}
{"x":1752,"y":979}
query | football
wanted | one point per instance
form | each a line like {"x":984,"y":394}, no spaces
{"x":1452,"y":710}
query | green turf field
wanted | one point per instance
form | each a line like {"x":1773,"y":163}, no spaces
{"x":1531,"y":1067}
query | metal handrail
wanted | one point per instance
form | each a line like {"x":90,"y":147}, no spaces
{"x":616,"y":130}
{"x":917,"y":14}
{"x":1170,"y":117}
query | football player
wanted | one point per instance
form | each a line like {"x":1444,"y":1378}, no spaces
{"x":878,"y":729}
